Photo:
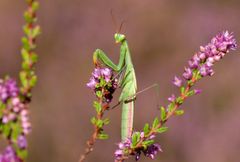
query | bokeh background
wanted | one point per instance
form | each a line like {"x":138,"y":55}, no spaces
{"x":162,"y":35}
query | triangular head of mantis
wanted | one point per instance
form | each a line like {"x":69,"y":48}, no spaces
{"x":119,"y":38}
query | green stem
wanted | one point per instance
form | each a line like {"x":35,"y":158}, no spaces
{"x":27,"y":74}
{"x":97,"y":130}
{"x":153,"y":131}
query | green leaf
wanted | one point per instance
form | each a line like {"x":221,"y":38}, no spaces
{"x":147,"y":143}
{"x":106,"y":121}
{"x":26,"y":44}
{"x":34,"y":57}
{"x":33,"y":81}
{"x":93,"y":120}
{"x":99,"y":123}
{"x":171,"y":106}
{"x":6,"y":129}
{"x":146,"y":128}
{"x":97,"y":106}
{"x":35,"y":6}
{"x":103,"y":136}
{"x":27,"y":30}
{"x":190,"y":93}
{"x":179,"y":100}
{"x":16,"y":131}
{"x":162,"y":129}
{"x":102,"y":82}
{"x":2,"y":107}
{"x":22,"y":153}
{"x":163,"y":114}
{"x":190,"y":82}
{"x":179,"y":112}
{"x":25,"y":66}
{"x":36,"y":31}
{"x":198,"y":76}
{"x":182,"y":90}
{"x":135,"y":138}
{"x":99,"y":94}
{"x":23,"y":78}
{"x":25,"y":55}
{"x":28,"y":17}
{"x":155,"y":122}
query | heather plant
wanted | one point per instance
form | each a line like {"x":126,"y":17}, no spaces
{"x":104,"y":82}
{"x":15,"y":97}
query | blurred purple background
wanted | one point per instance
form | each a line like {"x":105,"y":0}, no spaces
{"x":162,"y":35}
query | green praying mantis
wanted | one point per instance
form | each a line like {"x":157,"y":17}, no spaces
{"x":128,"y":82}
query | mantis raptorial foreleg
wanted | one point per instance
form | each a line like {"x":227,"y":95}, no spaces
{"x":99,"y":55}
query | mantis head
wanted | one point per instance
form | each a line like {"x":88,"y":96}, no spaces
{"x":119,"y":37}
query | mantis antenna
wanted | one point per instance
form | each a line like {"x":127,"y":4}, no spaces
{"x":121,"y":25}
{"x":113,"y":19}
{"x":118,"y":30}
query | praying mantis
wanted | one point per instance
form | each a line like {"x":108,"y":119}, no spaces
{"x":128,"y":82}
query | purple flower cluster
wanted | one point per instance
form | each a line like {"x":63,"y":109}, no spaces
{"x":8,"y":89}
{"x":152,"y":150}
{"x":9,"y":155}
{"x":22,"y":111}
{"x":123,"y":148}
{"x":204,"y":60}
{"x":177,"y":81}
{"x":103,"y":81}
{"x":14,"y":111}
{"x":22,"y":142}
{"x":149,"y":151}
{"x":172,"y":98}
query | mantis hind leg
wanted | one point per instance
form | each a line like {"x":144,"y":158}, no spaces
{"x":134,"y":97}
{"x":154,"y":86}
{"x":130,"y":100}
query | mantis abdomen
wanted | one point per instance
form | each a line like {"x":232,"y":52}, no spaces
{"x":129,"y":87}
{"x":127,"y":120}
